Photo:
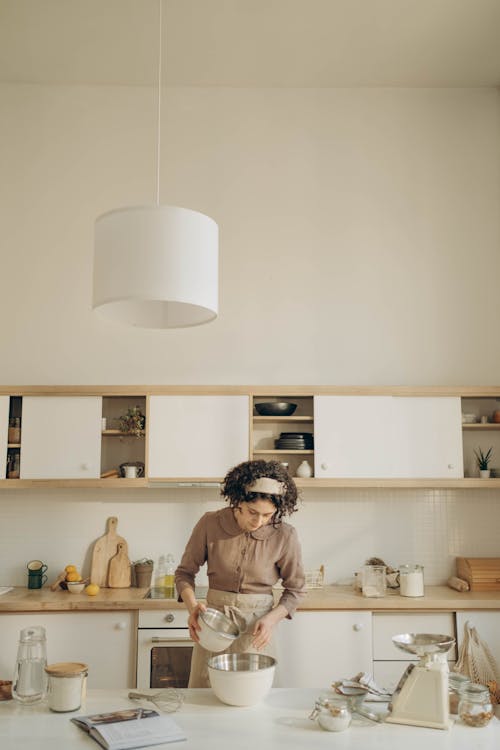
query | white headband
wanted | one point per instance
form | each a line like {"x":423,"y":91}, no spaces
{"x":266,"y":486}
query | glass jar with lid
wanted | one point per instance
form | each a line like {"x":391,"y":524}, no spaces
{"x":332,"y":715}
{"x":456,"y":683}
{"x":474,"y":707}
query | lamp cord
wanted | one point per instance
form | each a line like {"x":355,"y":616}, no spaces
{"x":158,"y":144}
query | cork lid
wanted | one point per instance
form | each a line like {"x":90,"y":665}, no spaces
{"x":66,"y":669}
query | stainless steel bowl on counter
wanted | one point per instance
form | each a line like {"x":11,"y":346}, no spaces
{"x":241,"y":679}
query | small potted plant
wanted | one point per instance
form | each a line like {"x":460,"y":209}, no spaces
{"x":133,"y":422}
{"x":483,"y":462}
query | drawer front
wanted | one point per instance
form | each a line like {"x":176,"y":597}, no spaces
{"x":386,"y":625}
{"x":167,"y":618}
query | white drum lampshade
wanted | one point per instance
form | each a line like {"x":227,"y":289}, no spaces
{"x":156,"y":267}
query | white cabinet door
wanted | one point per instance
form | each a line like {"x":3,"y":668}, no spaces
{"x":428,"y":434}
{"x":316,"y":648}
{"x":197,"y":437}
{"x":353,"y":436}
{"x":61,"y":437}
{"x":103,"y":640}
{"x":387,"y":437}
{"x":4,"y":429}
{"x":487,"y":625}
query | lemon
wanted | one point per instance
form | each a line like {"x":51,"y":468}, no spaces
{"x":73,"y":576}
{"x":92,"y":589}
{"x":70,"y":569}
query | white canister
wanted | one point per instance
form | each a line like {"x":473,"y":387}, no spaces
{"x":66,"y":685}
{"x":411,"y":580}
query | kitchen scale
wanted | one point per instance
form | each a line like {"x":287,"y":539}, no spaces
{"x":421,"y":697}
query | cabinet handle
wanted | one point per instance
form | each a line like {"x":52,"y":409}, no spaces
{"x":357,"y":627}
{"x":121,"y":625}
{"x":85,"y":466}
{"x":451,"y":466}
{"x":324,"y":465}
{"x":170,"y":617}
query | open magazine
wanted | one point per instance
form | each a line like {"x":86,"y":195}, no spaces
{"x":130,"y":728}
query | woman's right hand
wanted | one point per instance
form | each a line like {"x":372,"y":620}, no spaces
{"x":193,"y":623}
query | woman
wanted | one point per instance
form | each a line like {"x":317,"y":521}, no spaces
{"x":247,"y":548}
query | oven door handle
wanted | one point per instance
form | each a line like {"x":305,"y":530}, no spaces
{"x":157,"y":639}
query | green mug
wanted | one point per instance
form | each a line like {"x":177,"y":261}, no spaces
{"x":36,"y":581}
{"x":36,"y":574}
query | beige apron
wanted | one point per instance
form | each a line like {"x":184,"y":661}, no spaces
{"x":244,"y":610}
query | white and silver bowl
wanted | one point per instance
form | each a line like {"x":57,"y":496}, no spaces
{"x":241,"y":679}
{"x":217,"y":632}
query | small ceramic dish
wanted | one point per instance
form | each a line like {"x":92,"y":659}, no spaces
{"x":76,"y":587}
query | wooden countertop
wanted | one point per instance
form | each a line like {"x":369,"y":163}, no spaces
{"x":328,"y":598}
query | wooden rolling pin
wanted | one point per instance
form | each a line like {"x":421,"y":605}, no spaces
{"x":61,"y":577}
{"x":110,"y":474}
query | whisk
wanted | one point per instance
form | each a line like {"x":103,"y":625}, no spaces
{"x":167,"y":701}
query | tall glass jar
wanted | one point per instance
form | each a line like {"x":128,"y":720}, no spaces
{"x":30,"y":681}
{"x":456,"y":683}
{"x":474,"y":707}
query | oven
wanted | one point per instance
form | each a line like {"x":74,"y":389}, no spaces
{"x":164,"y":649}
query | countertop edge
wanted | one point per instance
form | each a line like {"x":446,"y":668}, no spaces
{"x":329,"y":598}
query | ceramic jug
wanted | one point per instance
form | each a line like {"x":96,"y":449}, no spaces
{"x":304,"y":470}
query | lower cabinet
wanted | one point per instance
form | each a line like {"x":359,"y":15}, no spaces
{"x":103,"y":640}
{"x":389,"y":662}
{"x":316,"y":648}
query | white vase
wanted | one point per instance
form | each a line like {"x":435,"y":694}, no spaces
{"x":304,"y":470}
{"x":484,"y":473}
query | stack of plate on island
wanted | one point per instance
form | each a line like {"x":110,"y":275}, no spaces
{"x":295,"y":441}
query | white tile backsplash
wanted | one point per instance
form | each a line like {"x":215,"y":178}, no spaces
{"x":339,"y":528}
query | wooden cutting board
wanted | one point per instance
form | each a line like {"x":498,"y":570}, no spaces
{"x":105,"y":548}
{"x":119,"y":569}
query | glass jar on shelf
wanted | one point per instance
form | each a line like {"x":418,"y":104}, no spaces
{"x":475,"y":708}
{"x":14,"y":433}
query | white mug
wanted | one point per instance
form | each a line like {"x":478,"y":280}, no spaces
{"x":130,"y":472}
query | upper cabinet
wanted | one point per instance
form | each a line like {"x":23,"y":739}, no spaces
{"x":139,"y":436}
{"x":388,"y":437}
{"x":61,"y":437}
{"x":197,"y":437}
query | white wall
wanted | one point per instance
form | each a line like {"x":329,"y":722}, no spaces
{"x":359,"y":232}
{"x":338,"y":528}
{"x":359,"y":245}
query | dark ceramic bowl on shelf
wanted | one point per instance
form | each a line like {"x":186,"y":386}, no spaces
{"x":275,"y":409}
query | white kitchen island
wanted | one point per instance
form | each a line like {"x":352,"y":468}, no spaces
{"x":279,"y":722}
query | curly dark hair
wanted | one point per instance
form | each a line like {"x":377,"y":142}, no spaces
{"x":233,"y":488}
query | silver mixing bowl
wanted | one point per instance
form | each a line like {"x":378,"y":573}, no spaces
{"x":241,"y":679}
{"x":217,"y":631}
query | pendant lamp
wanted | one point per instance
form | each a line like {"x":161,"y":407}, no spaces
{"x":156,"y":266}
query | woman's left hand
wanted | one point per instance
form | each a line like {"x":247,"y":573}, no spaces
{"x":264,"y":626}
{"x":262,"y":632}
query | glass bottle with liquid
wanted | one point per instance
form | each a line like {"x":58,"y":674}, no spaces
{"x":170,"y":576}
{"x":30,"y":679}
{"x":160,"y":573}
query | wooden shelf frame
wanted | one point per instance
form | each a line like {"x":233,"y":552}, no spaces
{"x":265,"y":391}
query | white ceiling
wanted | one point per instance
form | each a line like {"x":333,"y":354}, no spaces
{"x":252,"y":42}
